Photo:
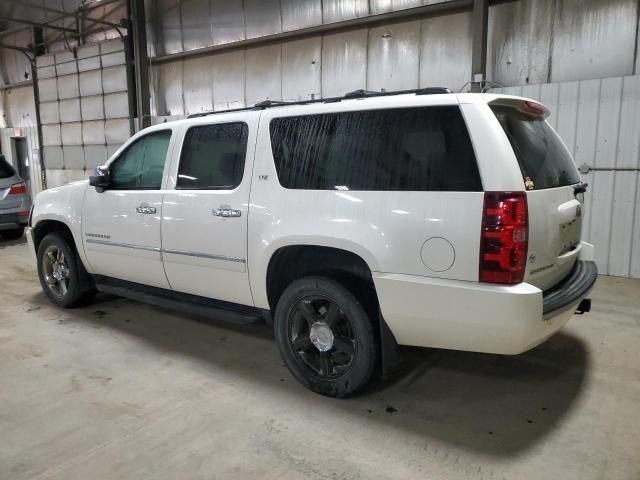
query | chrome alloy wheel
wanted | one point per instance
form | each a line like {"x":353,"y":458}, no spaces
{"x":321,"y":336}
{"x":56,"y":271}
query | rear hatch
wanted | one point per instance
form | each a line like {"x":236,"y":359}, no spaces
{"x":7,"y":178}
{"x":551,"y":180}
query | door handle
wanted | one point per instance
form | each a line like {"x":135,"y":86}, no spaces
{"x":146,"y":209}
{"x":226,"y":211}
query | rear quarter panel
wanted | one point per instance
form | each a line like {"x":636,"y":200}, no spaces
{"x":433,"y":234}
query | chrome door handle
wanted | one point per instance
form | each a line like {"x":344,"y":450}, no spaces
{"x":146,"y":209}
{"x":226,"y":211}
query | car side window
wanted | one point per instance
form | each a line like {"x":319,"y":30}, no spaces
{"x":400,"y":149}
{"x":141,"y":165}
{"x":213,"y":157}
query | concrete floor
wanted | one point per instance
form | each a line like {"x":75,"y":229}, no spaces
{"x":125,"y":390}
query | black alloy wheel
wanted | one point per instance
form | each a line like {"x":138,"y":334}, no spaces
{"x":326,"y":337}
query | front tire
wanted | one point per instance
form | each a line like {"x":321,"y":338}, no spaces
{"x":61,"y":272}
{"x":325,"y":337}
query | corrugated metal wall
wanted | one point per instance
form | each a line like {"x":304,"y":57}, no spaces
{"x":84,"y":109}
{"x":431,"y":51}
{"x":541,"y":41}
{"x":599,"y":121}
{"x":530,"y":42}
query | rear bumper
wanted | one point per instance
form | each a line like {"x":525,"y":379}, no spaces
{"x":10,"y":221}
{"x":571,"y":290}
{"x":479,"y":317}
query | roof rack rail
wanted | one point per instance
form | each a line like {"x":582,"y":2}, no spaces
{"x":269,"y":103}
{"x":384,"y":93}
{"x":363,"y":93}
{"x":356,"y":94}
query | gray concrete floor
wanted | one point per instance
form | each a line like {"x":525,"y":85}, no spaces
{"x":124,"y":390}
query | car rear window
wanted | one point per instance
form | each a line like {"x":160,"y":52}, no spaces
{"x":404,"y":149}
{"x":542,"y":157}
{"x":6,"y":170}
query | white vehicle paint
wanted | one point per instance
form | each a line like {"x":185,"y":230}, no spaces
{"x":421,"y":247}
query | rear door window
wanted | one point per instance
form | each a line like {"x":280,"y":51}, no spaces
{"x":542,"y":157}
{"x":213,"y":157}
{"x":405,"y":149}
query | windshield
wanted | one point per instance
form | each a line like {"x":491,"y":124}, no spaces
{"x":6,"y":170}
{"x":544,"y":160}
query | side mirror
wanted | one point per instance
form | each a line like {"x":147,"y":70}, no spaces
{"x":101,"y":179}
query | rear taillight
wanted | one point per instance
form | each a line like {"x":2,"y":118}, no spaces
{"x":504,"y":237}
{"x":18,"y":189}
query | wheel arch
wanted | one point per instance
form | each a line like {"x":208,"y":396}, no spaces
{"x":291,"y":262}
{"x":51,"y":225}
{"x":54,"y":224}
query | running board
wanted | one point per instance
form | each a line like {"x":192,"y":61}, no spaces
{"x":183,"y":302}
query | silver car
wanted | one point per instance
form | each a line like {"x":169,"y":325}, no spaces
{"x":15,"y":202}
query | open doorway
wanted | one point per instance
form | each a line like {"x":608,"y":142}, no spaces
{"x":20,"y":151}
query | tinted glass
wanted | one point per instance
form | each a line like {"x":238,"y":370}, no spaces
{"x":141,"y":165}
{"x":540,"y":152}
{"x":417,"y":149}
{"x":213,"y":157}
{"x":6,"y":170}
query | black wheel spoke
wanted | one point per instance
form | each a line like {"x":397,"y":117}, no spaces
{"x":344,"y":345}
{"x":333,"y":315}
{"x":326,"y":365}
{"x":62,"y":286}
{"x":302,"y":343}
{"x":308,"y":312}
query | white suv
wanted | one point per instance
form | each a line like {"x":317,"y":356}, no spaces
{"x":352,"y":224}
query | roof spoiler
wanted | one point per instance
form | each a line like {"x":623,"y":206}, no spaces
{"x":524,"y":105}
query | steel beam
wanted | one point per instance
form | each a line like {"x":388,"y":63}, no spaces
{"x":480,"y":21}
{"x":9,"y":86}
{"x":138,"y":34}
{"x":36,"y":99}
{"x":24,"y":50}
{"x":31,"y":23}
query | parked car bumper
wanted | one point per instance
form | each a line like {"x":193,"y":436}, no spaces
{"x":479,"y":317}
{"x":11,"y":221}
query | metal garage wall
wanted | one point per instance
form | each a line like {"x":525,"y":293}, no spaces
{"x":599,"y":121}
{"x":530,"y":41}
{"x":542,"y":41}
{"x":427,"y":52}
{"x":84,"y":109}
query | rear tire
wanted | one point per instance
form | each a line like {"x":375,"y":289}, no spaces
{"x":12,"y":234}
{"x":62,"y":275}
{"x":325,"y":337}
